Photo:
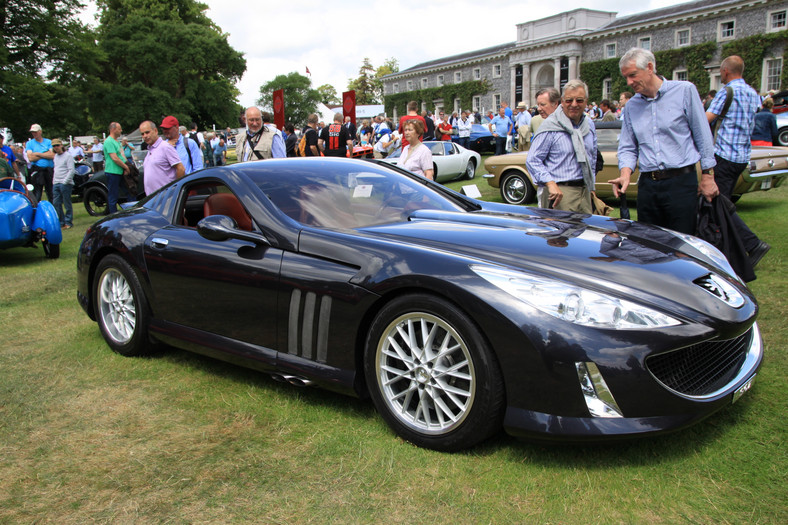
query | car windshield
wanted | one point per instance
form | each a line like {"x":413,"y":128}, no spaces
{"x":343,"y":195}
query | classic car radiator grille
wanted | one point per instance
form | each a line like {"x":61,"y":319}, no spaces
{"x":700,"y":369}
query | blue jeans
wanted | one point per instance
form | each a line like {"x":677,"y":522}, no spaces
{"x":465,"y":142}
{"x":113,"y":187}
{"x":62,"y":199}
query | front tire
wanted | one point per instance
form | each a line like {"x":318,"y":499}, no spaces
{"x":121,"y":307}
{"x":95,"y":200}
{"x":431,"y":374}
{"x":516,"y":188}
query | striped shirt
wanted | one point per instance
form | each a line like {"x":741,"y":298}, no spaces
{"x":733,"y":134}
{"x":552,"y":157}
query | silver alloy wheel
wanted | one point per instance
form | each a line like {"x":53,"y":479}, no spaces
{"x":116,"y":306}
{"x":470,"y":170}
{"x":514,"y":189}
{"x":425,"y":373}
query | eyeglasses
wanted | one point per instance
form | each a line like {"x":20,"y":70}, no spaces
{"x":575,"y":100}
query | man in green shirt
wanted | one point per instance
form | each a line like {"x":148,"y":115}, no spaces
{"x":115,"y":167}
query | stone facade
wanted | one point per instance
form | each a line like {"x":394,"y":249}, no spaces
{"x":549,"y":51}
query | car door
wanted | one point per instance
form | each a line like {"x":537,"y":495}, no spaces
{"x":228,"y":288}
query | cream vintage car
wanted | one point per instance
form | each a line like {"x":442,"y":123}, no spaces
{"x":767,"y":169}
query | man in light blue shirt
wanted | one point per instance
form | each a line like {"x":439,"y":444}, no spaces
{"x":500,"y":127}
{"x":191,"y":158}
{"x":665,"y":132}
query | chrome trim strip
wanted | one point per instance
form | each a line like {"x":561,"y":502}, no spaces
{"x":765,"y":174}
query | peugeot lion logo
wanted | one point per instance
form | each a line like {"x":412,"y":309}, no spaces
{"x":721,"y":289}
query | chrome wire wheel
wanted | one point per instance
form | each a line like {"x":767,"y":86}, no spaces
{"x":117,"y":306}
{"x":425,"y":373}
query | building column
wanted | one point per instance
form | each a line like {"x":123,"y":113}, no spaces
{"x":512,"y":87}
{"x":557,"y":73}
{"x":573,"y":73}
{"x":527,"y":84}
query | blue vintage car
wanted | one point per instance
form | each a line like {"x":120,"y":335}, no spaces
{"x":23,"y":221}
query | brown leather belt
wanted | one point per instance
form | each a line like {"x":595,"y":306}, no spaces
{"x":669,"y":173}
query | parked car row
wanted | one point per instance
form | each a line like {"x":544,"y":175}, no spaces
{"x":768,"y":168}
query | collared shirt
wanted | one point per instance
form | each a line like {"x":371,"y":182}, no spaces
{"x":76,"y":151}
{"x":278,"y":150}
{"x":196,"y":155}
{"x":40,"y":147}
{"x":735,"y":130}
{"x":501,"y":125}
{"x":523,"y":119}
{"x":552,"y":156}
{"x":465,"y":126}
{"x":159,"y":165}
{"x":665,"y":132}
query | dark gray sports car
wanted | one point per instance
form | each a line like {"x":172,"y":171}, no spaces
{"x":457,"y":317}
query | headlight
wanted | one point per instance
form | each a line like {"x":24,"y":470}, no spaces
{"x":573,"y":303}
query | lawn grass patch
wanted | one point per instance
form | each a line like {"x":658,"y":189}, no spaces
{"x":87,"y":435}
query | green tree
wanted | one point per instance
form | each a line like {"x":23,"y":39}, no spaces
{"x":328,"y":94}
{"x":300,"y":98}
{"x":391,"y":65}
{"x":364,"y":84}
{"x":44,"y":45}
{"x":164,"y":57}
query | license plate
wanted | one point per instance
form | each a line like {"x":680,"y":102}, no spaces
{"x":742,"y":389}
{"x":766,"y":184}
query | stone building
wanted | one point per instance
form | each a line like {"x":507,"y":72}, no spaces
{"x":550,"y":51}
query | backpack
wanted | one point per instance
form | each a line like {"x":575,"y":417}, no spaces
{"x":301,"y":148}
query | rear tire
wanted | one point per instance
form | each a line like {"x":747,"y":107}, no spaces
{"x":121,"y":307}
{"x":95,"y":199}
{"x":432,"y":375}
{"x":470,"y":170}
{"x":51,"y":251}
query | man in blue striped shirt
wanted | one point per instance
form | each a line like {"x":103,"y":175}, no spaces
{"x":732,"y":146}
{"x":562,"y":157}
{"x":665,"y":132}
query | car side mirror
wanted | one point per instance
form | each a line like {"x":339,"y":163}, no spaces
{"x":221,"y":227}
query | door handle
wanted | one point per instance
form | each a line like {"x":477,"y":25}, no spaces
{"x":160,"y":243}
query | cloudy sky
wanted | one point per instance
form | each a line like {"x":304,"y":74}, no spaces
{"x":332,"y":37}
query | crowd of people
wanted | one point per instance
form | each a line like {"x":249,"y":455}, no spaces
{"x":559,"y":133}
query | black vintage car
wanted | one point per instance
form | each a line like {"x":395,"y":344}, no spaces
{"x":94,"y":190}
{"x":457,"y":317}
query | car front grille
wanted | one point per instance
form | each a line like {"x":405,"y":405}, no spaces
{"x":700,"y":369}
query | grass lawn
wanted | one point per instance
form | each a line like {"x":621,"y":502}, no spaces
{"x":89,"y":436}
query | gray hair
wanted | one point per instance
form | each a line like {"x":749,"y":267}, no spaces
{"x":641,"y":57}
{"x":552,"y":94}
{"x":575,"y":84}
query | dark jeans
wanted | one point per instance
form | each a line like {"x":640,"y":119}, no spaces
{"x":62,"y":203}
{"x":670,"y":203}
{"x":726,"y":173}
{"x":41,"y":178}
{"x":113,"y":187}
{"x":465,"y":142}
{"x":500,"y":145}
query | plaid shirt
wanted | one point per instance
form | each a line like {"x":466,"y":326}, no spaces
{"x":733,"y":135}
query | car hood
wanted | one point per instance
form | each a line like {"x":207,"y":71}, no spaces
{"x":618,"y":256}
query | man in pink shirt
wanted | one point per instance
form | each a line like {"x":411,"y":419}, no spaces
{"x":162,"y":164}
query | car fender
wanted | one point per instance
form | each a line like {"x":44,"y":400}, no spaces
{"x":47,"y":220}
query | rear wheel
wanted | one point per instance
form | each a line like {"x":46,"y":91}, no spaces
{"x":470,"y":170}
{"x":121,"y":307}
{"x":516,"y":188}
{"x":96,"y":201}
{"x":782,"y":137}
{"x":431,"y":374}
{"x":51,"y":251}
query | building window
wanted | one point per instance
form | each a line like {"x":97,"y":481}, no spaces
{"x":457,"y":77}
{"x":772,"y":71}
{"x":680,"y":74}
{"x":477,"y":103}
{"x":423,"y":107}
{"x":682,"y":37}
{"x":424,"y":83}
{"x":410,"y":85}
{"x":607,"y":88}
{"x":497,"y":71}
{"x":477,"y":73}
{"x":457,"y":107}
{"x":440,"y":81}
{"x":777,"y":20}
{"x":727,"y":30}
{"x":396,"y":87}
{"x":496,"y":102}
{"x":610,"y":50}
{"x":645,"y":43}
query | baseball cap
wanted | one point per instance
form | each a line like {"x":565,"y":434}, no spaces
{"x":57,"y":142}
{"x":169,"y":122}
{"x":35,"y":127}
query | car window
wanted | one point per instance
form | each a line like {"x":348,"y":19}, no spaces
{"x":448,"y":148}
{"x":192,"y":206}
{"x":436,"y":148}
{"x":607,"y":139}
{"x":342,"y":199}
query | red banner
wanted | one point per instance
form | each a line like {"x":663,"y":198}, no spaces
{"x":349,"y":105}
{"x":279,"y":109}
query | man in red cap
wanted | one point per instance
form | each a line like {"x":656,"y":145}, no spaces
{"x":162,"y":164}
{"x":188,"y":150}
